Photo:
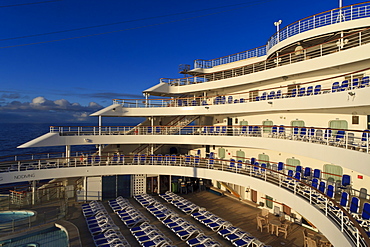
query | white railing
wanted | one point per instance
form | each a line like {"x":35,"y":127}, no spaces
{"x":352,"y":40}
{"x":331,"y":17}
{"x":347,"y":13}
{"x":312,"y":88}
{"x":348,"y":139}
{"x":206,"y":64}
{"x":340,"y":216}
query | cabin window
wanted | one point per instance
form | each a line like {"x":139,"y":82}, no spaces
{"x":243,"y":123}
{"x":291,"y":163}
{"x":338,"y":124}
{"x":332,"y":171}
{"x":296,"y":123}
{"x":267,"y":126}
{"x":240,"y":155}
{"x":221,"y":153}
{"x":269,"y":201}
{"x":264,"y":158}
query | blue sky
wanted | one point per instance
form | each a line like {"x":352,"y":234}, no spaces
{"x":65,"y":81}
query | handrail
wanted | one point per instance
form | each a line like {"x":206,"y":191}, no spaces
{"x":357,"y":38}
{"x":308,"y":23}
{"x":206,"y":64}
{"x":326,"y":84}
{"x":346,"y":138}
{"x":328,"y":206}
{"x":330,"y":17}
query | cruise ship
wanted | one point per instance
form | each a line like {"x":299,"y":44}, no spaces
{"x":284,"y":126}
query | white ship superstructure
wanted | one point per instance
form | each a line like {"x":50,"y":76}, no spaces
{"x":284,"y":126}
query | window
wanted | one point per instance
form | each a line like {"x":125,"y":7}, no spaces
{"x":240,"y":155}
{"x":338,"y":124}
{"x":221,"y":153}
{"x":264,"y":158}
{"x":269,"y":201}
{"x":291,"y":163}
{"x":243,"y":123}
{"x":332,"y":171}
{"x":297,"y":123}
{"x":268,"y":123}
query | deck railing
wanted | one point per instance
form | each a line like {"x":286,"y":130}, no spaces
{"x":310,"y":88}
{"x":341,"y":138}
{"x":343,"y":219}
{"x":206,"y":64}
{"x":352,"y":40}
{"x":347,"y":13}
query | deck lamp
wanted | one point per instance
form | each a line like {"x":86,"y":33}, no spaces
{"x":277,"y":24}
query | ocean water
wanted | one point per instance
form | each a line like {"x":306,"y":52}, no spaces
{"x":15,"y":134}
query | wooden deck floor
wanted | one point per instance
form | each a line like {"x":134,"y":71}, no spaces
{"x":238,"y":213}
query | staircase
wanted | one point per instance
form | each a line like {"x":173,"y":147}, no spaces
{"x":179,"y":122}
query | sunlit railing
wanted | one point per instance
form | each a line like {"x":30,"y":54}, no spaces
{"x":337,"y":45}
{"x":348,"y":139}
{"x":310,"y":88}
{"x":343,"y":219}
{"x":347,"y":13}
{"x":38,"y":156}
{"x":206,"y":64}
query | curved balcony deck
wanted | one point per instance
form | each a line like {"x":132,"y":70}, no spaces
{"x":336,"y":222}
{"x":352,"y":40}
{"x":347,"y":13}
{"x":317,"y":143}
{"x":311,"y":88}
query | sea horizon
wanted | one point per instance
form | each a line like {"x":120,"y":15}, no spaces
{"x":14,"y":134}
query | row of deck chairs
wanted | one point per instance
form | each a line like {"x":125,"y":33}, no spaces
{"x":181,"y":227}
{"x":147,"y":235}
{"x":215,"y":223}
{"x":150,"y":236}
{"x":239,"y":237}
{"x":353,"y":207}
{"x":128,"y":214}
{"x":233,"y":234}
{"x":181,"y":203}
{"x":102,"y":228}
{"x":295,"y":92}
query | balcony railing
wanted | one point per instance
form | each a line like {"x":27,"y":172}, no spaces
{"x":348,"y":139}
{"x":337,"y":45}
{"x":311,"y":88}
{"x":340,"y":216}
{"x":347,"y":13}
{"x":207,"y":64}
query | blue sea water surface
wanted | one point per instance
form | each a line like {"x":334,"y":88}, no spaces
{"x":14,"y":134}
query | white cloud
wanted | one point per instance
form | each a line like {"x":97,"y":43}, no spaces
{"x":43,"y":104}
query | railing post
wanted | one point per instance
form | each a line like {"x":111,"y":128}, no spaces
{"x":331,"y":17}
